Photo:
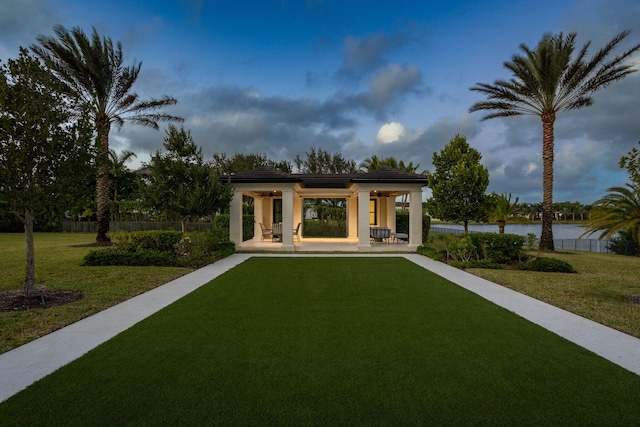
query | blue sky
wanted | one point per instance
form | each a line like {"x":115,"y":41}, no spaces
{"x":389,"y":78}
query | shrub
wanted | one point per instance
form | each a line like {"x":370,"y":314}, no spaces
{"x":200,"y":248}
{"x":546,"y":265}
{"x":156,"y":240}
{"x":500,"y":248}
{"x":426,"y":226}
{"x":114,"y":256}
{"x":623,"y":244}
{"x":481,"y":263}
{"x":431,"y":252}
{"x":221,"y":222}
{"x":402,"y":222}
{"x":193,"y":249}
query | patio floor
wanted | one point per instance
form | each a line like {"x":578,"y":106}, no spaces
{"x":323,"y":245}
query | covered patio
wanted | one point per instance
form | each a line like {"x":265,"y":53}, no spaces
{"x":369,"y":198}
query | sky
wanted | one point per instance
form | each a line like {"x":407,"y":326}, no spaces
{"x":363,"y":78}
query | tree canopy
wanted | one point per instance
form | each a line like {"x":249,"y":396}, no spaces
{"x":458,"y":184}
{"x":44,"y":147}
{"x":631,"y":161}
{"x":320,"y":161}
{"x":180,"y":182}
{"x":224,"y":165}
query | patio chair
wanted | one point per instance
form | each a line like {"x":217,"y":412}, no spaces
{"x":266,"y":232}
{"x":296,"y":231}
{"x":276,"y":233}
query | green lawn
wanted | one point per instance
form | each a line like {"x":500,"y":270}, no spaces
{"x":605,"y":290}
{"x":332,"y":341}
{"x":58,"y":259}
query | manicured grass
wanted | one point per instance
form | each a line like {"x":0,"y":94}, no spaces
{"x":58,"y":267}
{"x":601,"y":291}
{"x":332,"y":341}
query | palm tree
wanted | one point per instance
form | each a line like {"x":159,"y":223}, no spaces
{"x":374,"y":162}
{"x":371,"y":163}
{"x":92,"y":71}
{"x":545,"y":81}
{"x":617,"y":211}
{"x":504,"y":211}
{"x":118,"y":171}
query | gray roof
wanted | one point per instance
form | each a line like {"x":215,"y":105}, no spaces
{"x":383,"y":174}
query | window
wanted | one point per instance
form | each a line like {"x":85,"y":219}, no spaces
{"x":277,"y":210}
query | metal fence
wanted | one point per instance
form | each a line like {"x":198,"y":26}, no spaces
{"x":585,"y":245}
{"x":90,"y":226}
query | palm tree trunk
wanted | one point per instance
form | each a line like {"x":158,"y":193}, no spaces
{"x":102,"y":184}
{"x":546,"y":238}
{"x":30,"y":276}
{"x":501,"y":225}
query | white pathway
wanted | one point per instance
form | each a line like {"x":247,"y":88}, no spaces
{"x":26,"y":364}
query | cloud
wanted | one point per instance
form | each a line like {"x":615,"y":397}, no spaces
{"x":390,"y":132}
{"x":20,"y":22}
{"x":365,"y":54}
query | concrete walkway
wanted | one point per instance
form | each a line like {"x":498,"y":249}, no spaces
{"x":26,"y":364}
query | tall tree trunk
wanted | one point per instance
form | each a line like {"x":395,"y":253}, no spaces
{"x":30,"y":277}
{"x":102,"y":184}
{"x":546,"y":238}
{"x":501,"y":225}
{"x":466,"y":227}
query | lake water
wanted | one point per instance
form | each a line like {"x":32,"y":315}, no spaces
{"x":560,"y":231}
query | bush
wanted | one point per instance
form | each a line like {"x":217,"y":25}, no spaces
{"x":500,"y":248}
{"x":546,"y":265}
{"x":460,"y":248}
{"x":430,"y":252}
{"x":193,"y":249}
{"x":482,"y":263}
{"x":155,"y":240}
{"x":402,"y":222}
{"x":426,"y":227}
{"x":623,"y":244}
{"x":200,"y":248}
{"x":221,"y":222}
{"x":140,"y":257}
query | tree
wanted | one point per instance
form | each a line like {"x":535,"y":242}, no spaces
{"x":632,"y":162}
{"x":618,"y":211}
{"x":179,"y":181}
{"x":94,"y":76}
{"x":374,"y":162}
{"x":504,"y":211}
{"x":246,"y":162}
{"x":545,"y":81}
{"x":43,"y":150}
{"x":458,"y":184}
{"x":122,"y":181}
{"x":319,"y":161}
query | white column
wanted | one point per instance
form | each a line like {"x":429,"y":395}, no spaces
{"x":287,"y":219}
{"x":235,"y":218}
{"x":363,"y":221}
{"x":297,"y":213}
{"x":415,"y":219}
{"x":352,"y":217}
{"x":391,"y":213}
{"x":258,"y":214}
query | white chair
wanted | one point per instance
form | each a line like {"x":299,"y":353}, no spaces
{"x":266,"y":232}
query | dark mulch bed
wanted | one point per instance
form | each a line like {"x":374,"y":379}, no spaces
{"x":93,"y":245}
{"x":634,"y":299}
{"x":14,"y":300}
